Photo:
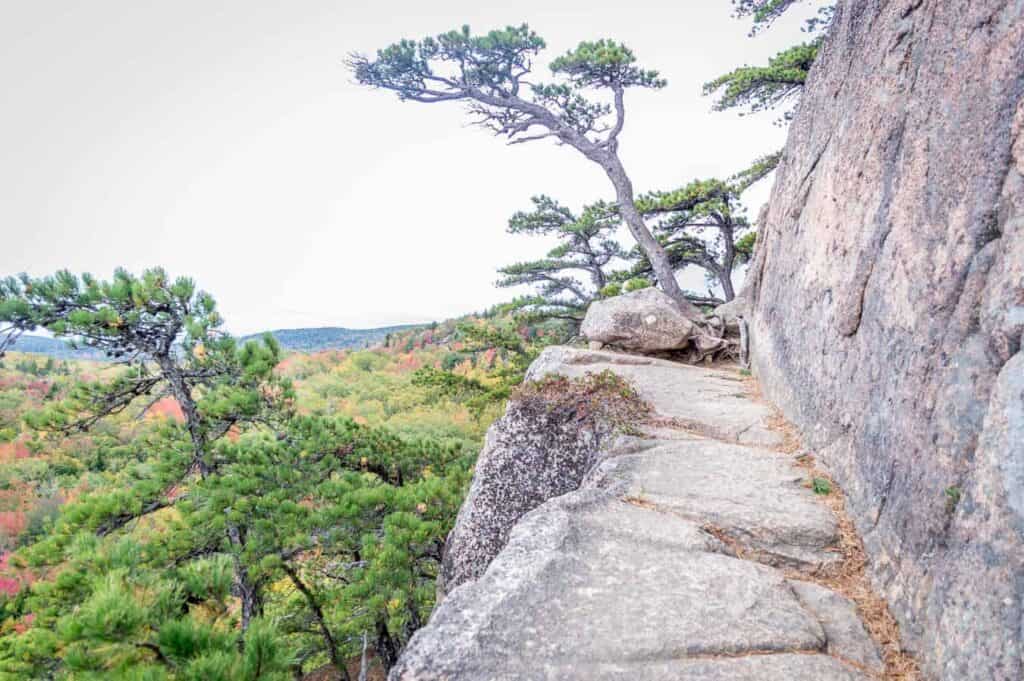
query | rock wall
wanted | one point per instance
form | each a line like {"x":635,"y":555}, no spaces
{"x":887,"y":310}
{"x":530,"y":455}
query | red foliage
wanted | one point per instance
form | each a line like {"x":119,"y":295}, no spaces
{"x":38,"y":389}
{"x":168,"y":407}
{"x":12,"y":523}
{"x":410,"y":362}
{"x":10,"y":586}
{"x":26,"y":621}
{"x":13,"y":584}
{"x":14,"y":450}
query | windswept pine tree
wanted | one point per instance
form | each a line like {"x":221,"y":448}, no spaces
{"x":490,"y":74}
{"x":576,"y":270}
{"x":702,"y":224}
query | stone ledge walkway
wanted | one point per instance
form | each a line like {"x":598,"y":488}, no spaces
{"x":687,"y":553}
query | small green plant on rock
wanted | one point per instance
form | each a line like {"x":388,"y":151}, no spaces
{"x":821,"y":486}
{"x":953,"y":495}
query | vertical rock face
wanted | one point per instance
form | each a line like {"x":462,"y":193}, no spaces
{"x":888,"y":310}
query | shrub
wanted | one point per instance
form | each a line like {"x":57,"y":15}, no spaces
{"x":604,"y":399}
{"x":636,"y":284}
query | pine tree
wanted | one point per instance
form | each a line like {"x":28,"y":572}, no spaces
{"x":488,"y":73}
{"x":703,"y":224}
{"x":585,"y":247}
{"x":255,"y":556}
{"x":166,"y":336}
{"x":759,"y":88}
{"x":765,"y":87}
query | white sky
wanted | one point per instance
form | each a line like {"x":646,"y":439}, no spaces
{"x":224,"y":139}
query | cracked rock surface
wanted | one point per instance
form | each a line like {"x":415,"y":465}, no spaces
{"x":673,"y":556}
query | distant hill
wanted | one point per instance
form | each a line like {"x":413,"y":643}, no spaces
{"x":299,"y":340}
{"x":330,"y":337}
{"x":54,"y":348}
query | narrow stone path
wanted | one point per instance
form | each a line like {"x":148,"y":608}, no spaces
{"x":688,"y":552}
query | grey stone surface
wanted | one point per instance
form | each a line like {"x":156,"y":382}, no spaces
{"x":645,"y":321}
{"x":731,"y":312}
{"x":847,"y":638}
{"x":658,"y":563}
{"x":887,"y":311}
{"x":527,"y":458}
{"x":573,"y":590}
{"x":781,"y":667}
{"x":753,"y":496}
{"x":714,"y":402}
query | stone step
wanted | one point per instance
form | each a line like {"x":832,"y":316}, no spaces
{"x":592,"y":587}
{"x":755,"y":497}
{"x":678,"y":557}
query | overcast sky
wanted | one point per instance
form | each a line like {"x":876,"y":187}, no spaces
{"x":224,"y":139}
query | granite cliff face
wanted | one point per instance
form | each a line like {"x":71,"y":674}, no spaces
{"x":887,"y":310}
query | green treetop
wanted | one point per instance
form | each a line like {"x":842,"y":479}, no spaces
{"x":341,"y":525}
{"x":166,"y":335}
{"x":765,"y":87}
{"x":243,"y":544}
